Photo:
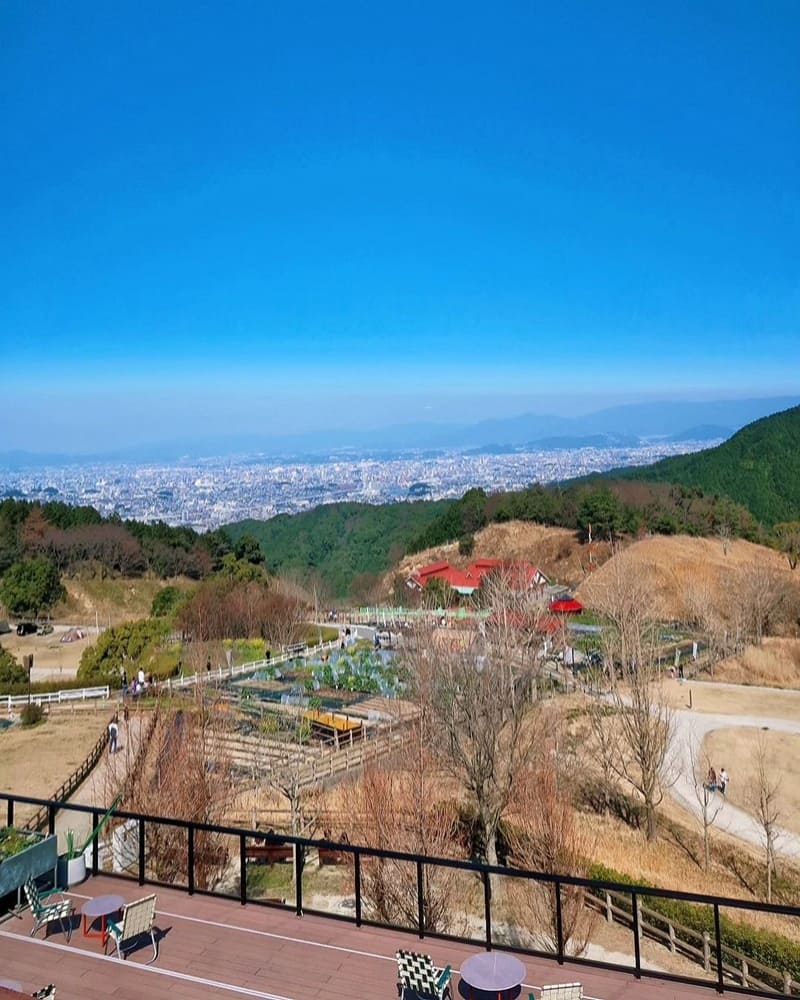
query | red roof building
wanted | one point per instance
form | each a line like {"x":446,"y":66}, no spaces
{"x":519,"y":575}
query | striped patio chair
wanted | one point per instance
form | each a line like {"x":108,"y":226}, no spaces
{"x":138,"y":920}
{"x":419,"y":979}
{"x":46,"y":908}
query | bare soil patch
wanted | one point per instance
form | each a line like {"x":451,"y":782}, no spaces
{"x":52,"y":658}
{"x":711,"y":698}
{"x":775,"y":663}
{"x":735,"y":750}
{"x":35,"y":761}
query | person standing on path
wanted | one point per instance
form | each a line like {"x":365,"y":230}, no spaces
{"x":113,"y":733}
{"x":723,"y":780}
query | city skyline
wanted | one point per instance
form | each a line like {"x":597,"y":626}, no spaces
{"x":277,"y":221}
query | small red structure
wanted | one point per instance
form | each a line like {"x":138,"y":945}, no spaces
{"x":566,"y":606}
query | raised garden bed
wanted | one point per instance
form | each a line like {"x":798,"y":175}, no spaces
{"x":24,"y":855}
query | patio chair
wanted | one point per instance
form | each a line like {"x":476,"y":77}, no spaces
{"x":419,"y":979}
{"x":45,"y":993}
{"x":138,"y":919}
{"x":45,"y":907}
{"x":561,"y":991}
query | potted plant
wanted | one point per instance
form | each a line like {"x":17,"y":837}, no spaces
{"x":72,"y":863}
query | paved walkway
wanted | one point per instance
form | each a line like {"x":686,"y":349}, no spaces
{"x":691,"y":728}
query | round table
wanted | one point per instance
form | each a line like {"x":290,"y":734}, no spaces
{"x":99,"y":907}
{"x":492,"y":975}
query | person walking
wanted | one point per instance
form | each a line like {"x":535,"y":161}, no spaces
{"x":723,"y":780}
{"x":113,"y":733}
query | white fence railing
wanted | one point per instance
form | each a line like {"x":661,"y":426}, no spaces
{"x":11,"y":701}
{"x":225,"y":673}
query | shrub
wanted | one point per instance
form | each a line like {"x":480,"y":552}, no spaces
{"x":31,"y":714}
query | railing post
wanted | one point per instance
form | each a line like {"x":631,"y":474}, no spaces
{"x":141,"y":850}
{"x":559,"y":925}
{"x":487,"y":908}
{"x":242,"y":870}
{"x":298,"y":879}
{"x":190,"y":860}
{"x":637,"y":971}
{"x":51,"y":819}
{"x":10,"y":812}
{"x":420,"y":902}
{"x":718,"y":949}
{"x":95,"y":844}
{"x":357,"y":879}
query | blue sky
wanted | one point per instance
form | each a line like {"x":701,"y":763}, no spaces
{"x":221,"y":215}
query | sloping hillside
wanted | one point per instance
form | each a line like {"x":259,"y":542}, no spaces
{"x":682,"y":571}
{"x":556,"y":551}
{"x":758,"y":467}
{"x":337,"y":542}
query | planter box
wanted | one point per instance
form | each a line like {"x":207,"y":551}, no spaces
{"x":34,"y":861}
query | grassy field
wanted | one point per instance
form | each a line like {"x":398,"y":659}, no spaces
{"x":775,"y":663}
{"x":111,"y":600}
{"x":708,"y":697}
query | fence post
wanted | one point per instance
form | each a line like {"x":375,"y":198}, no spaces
{"x":420,"y":902}
{"x":190,"y":860}
{"x":298,"y":879}
{"x":357,"y":874}
{"x":671,"y":931}
{"x":242,"y":871}
{"x":706,"y":952}
{"x":745,"y":972}
{"x":95,"y":844}
{"x":487,"y":908}
{"x":636,"y":936}
{"x":787,"y":983}
{"x":609,"y":908}
{"x":141,"y":851}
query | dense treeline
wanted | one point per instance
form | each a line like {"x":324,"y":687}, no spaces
{"x":72,"y":538}
{"x":759,"y":467}
{"x":611,"y":508}
{"x":331,"y":546}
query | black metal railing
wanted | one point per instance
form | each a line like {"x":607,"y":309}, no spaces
{"x":176,"y":866}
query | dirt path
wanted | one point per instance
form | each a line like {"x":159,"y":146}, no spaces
{"x":104,"y":783}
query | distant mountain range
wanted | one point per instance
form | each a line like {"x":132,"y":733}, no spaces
{"x":619,"y":426}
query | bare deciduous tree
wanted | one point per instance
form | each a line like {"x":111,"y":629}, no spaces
{"x":480,"y":691}
{"x":707,"y":799}
{"x":764,"y":800}
{"x":544,"y":836}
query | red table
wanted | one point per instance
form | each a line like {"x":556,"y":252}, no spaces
{"x":99,"y":908}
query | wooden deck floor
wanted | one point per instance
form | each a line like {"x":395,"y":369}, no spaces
{"x":214,"y":948}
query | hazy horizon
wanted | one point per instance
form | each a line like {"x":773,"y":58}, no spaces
{"x":253,"y":220}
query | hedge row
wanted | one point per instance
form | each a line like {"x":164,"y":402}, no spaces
{"x":770,"y":949}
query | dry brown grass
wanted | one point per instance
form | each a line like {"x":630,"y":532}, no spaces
{"x":716,"y":700}
{"x":556,"y":551}
{"x":735,"y":749}
{"x":775,"y":663}
{"x":35,"y":761}
{"x":113,"y":599}
{"x":675,"y":564}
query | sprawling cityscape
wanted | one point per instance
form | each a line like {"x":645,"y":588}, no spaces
{"x":205,"y":494}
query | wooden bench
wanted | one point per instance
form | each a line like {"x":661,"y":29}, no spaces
{"x":268,"y":853}
{"x":330,"y":856}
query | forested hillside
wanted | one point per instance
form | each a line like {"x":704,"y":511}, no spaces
{"x":335,"y":544}
{"x":759,"y":467}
